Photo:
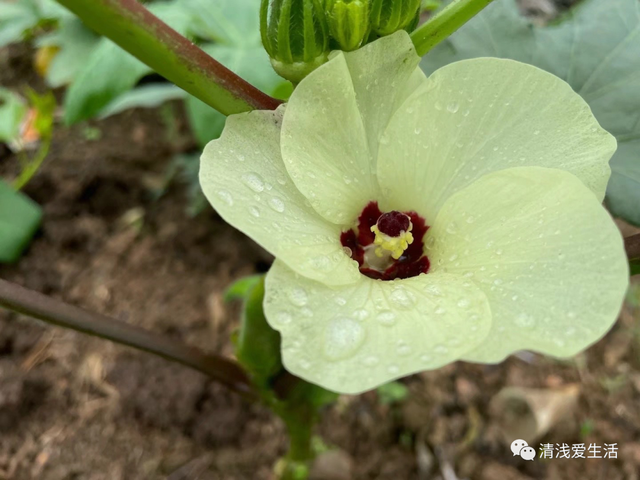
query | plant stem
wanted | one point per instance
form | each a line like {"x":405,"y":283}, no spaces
{"x":135,"y":29}
{"x":42,"y":307}
{"x":444,"y":23}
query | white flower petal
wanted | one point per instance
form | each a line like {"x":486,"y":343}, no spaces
{"x":334,"y":119}
{"x":243,"y":177}
{"x":355,"y":338}
{"x":477,"y":116}
{"x":544,"y":251}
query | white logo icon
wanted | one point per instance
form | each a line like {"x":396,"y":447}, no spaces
{"x":522,"y":448}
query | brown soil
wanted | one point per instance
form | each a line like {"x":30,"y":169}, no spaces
{"x":75,"y":407}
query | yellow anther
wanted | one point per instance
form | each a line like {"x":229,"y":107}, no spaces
{"x":395,"y":245}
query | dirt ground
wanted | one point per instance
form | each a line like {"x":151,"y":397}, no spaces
{"x":75,"y":407}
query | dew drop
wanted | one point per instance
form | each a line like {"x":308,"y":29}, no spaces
{"x":254,"y":211}
{"x":298,"y":297}
{"x":276,"y":204}
{"x":253,"y":181}
{"x":341,"y":301}
{"x":525,"y":321}
{"x":433,"y":290}
{"x":393,"y":369}
{"x":439,"y":311}
{"x":403,"y":349}
{"x":360,"y":314}
{"x":305,"y":364}
{"x":402,"y":298}
{"x":283,"y":318}
{"x":453,"y":107}
{"x":226,"y":197}
{"x":441,"y":349}
{"x":343,"y":337}
{"x":425,"y":358}
{"x":386,"y":317}
{"x":370,"y":361}
{"x":464,"y":303}
{"x":471,"y":219}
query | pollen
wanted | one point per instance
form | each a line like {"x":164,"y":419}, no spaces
{"x":392,"y":234}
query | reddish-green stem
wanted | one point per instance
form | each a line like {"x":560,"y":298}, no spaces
{"x":130,"y":25}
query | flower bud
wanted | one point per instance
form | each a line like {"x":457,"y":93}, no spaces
{"x":349,"y":22}
{"x":295,"y":35}
{"x":388,"y":16}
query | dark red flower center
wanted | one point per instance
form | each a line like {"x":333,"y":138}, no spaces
{"x":360,"y":241}
{"x":393,"y":223}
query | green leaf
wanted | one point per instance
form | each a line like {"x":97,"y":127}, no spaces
{"x":76,"y":43}
{"x":18,"y":18}
{"x":233,"y":22}
{"x":258,"y":345}
{"x":241,"y":288}
{"x":12,"y":110}
{"x":19,"y":220}
{"x":146,"y":96}
{"x":111,"y":71}
{"x":595,"y":49}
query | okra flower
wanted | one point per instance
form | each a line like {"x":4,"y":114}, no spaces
{"x":418,"y":221}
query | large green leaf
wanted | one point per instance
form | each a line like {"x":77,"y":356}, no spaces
{"x":145,"y":96}
{"x":76,"y":45}
{"x":19,"y":220}
{"x":111,"y":71}
{"x":595,"y":48}
{"x":19,"y":17}
{"x":233,"y":22}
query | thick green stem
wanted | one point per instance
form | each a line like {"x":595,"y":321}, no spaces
{"x":447,"y":21}
{"x":34,"y":304}
{"x":130,"y":25}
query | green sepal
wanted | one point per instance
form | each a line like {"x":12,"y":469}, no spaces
{"x":349,"y":22}
{"x":295,"y":35}
{"x":388,"y":16}
{"x":258,"y":345}
{"x":19,"y":220}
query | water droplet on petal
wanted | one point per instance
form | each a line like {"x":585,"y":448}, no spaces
{"x":403,"y":349}
{"x":525,"y":321}
{"x":393,"y":369}
{"x":402,"y":298}
{"x":298,"y":297}
{"x":370,"y":361}
{"x":464,"y":303}
{"x":254,"y":211}
{"x":226,"y":197}
{"x":453,"y":107}
{"x":283,"y":318}
{"x":343,"y":337}
{"x":386,"y":317}
{"x":441,"y":349}
{"x":360,"y":314}
{"x":253,"y":181}
{"x":276,"y":204}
